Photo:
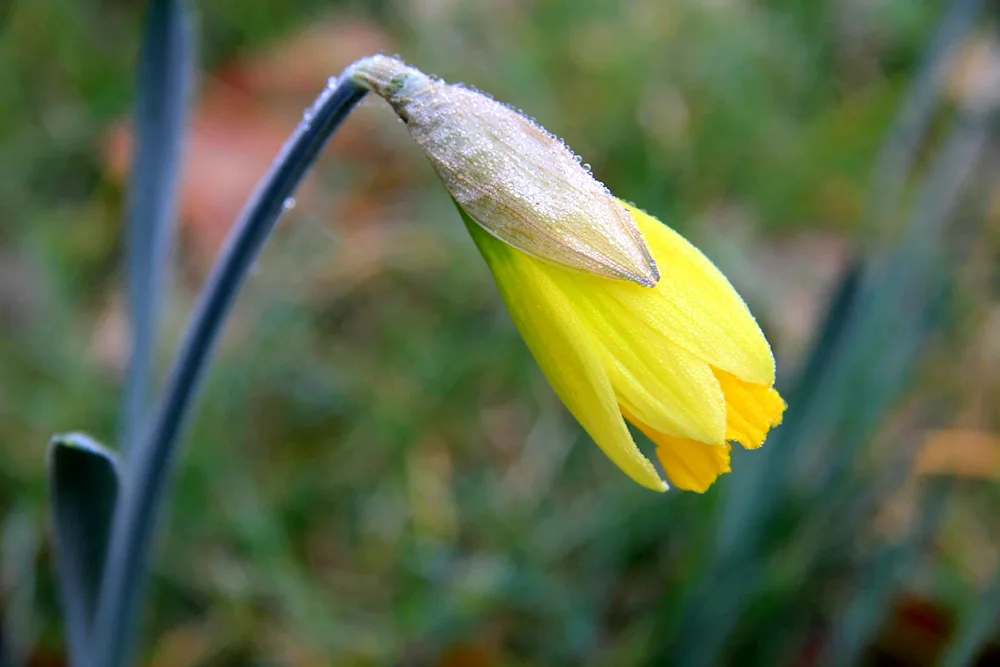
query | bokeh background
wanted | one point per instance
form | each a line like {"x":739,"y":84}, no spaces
{"x":379,"y":475}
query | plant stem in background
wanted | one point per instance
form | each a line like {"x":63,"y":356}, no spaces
{"x":164,"y":79}
{"x":151,"y":461}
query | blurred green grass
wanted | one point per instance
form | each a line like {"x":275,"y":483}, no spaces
{"x":379,"y":474}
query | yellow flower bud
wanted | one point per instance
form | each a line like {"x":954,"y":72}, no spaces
{"x":679,"y":354}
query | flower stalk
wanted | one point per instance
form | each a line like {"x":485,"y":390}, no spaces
{"x":154,"y":456}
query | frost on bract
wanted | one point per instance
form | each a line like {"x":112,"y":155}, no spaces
{"x":517,"y":181}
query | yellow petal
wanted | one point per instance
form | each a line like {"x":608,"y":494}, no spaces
{"x":660,"y":382}
{"x":690,"y":465}
{"x":751,"y":410}
{"x":693,"y":305}
{"x":564,"y":347}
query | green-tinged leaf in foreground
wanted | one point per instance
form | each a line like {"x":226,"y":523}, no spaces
{"x":84,"y":484}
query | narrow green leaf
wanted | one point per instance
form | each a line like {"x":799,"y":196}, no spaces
{"x":152,"y":460}
{"x":164,"y":83}
{"x":84,"y":489}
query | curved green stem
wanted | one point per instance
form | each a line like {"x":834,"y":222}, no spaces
{"x":151,"y":462}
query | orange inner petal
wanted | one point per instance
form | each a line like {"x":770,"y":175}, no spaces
{"x":751,"y":409}
{"x":690,"y":465}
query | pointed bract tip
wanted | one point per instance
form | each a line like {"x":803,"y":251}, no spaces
{"x":651,"y":278}
{"x":516,"y":180}
{"x":646,"y":282}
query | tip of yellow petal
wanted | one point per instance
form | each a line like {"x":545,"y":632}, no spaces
{"x":644,"y":473}
{"x":692,"y":465}
{"x":752,"y":410}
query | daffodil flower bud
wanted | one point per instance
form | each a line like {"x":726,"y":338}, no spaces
{"x":673,"y":350}
{"x":517,"y":181}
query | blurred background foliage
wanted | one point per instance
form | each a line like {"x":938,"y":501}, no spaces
{"x":379,"y":474}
